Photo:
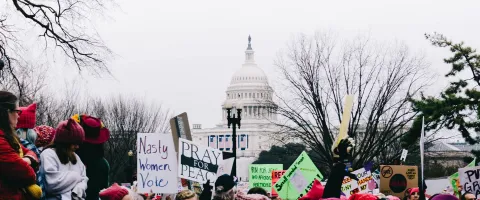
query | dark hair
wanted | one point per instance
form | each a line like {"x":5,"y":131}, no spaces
{"x":90,"y":152}
{"x":64,"y":154}
{"x":461,"y":197}
{"x":8,"y":102}
{"x":258,"y":190}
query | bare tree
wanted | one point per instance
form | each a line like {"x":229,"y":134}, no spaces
{"x":125,"y":117}
{"x":62,"y":24}
{"x":319,"y":73}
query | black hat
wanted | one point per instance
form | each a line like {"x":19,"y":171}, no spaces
{"x":226,"y":181}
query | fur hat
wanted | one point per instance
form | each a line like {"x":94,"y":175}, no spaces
{"x":45,"y":135}
{"x":69,"y":132}
{"x":241,"y":196}
{"x":114,"y":192}
{"x":27,"y":117}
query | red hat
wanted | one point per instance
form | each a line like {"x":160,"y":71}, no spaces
{"x":45,"y":135}
{"x":413,"y":190}
{"x":69,"y":132}
{"x":316,"y":192}
{"x":27,"y":117}
{"x":114,"y":192}
{"x":95,"y":133}
{"x":366,"y":196}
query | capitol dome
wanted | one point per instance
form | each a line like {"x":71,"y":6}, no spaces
{"x":249,"y":90}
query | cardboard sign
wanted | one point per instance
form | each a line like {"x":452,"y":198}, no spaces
{"x":261,"y":175}
{"x":470,"y":180}
{"x":298,"y":179}
{"x":276,"y":175}
{"x":180,"y":129}
{"x":157,"y":163}
{"x":396,"y":179}
{"x":198,"y":163}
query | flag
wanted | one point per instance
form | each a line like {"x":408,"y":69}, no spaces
{"x":228,"y":142}
{"x":243,"y":142}
{"x":212,"y":142}
{"x":221,"y":142}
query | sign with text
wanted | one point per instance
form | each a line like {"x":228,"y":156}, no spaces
{"x":363,"y":185}
{"x":198,"y":163}
{"x":470,"y":180}
{"x":261,"y":175}
{"x":180,"y":128}
{"x":157,"y":163}
{"x":276,"y":175}
{"x":396,"y":179}
{"x":298,"y":179}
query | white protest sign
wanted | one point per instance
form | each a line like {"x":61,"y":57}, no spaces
{"x":404,"y":155}
{"x":351,"y":186}
{"x":470,"y":180}
{"x":198,"y":163}
{"x":226,"y":167}
{"x":157,"y":164}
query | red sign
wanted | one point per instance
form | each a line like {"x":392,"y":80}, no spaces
{"x":276,"y":175}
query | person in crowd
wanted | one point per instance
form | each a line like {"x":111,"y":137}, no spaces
{"x":443,"y":197}
{"x":467,"y":196}
{"x":45,"y":136}
{"x":65,"y":174}
{"x":258,"y":190}
{"x":17,"y":163}
{"x":92,"y":154}
{"x":366,"y":196}
{"x":186,"y":195}
{"x":117,"y":192}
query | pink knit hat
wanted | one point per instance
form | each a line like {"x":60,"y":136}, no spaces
{"x":28,"y":117}
{"x":45,"y":135}
{"x":69,"y":132}
{"x":114,"y":192}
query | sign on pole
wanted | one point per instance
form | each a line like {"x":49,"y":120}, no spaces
{"x":276,"y":175}
{"x":404,"y":155}
{"x":342,"y":134}
{"x":470,"y":180}
{"x":261,"y":175}
{"x":298,"y":179}
{"x":351,"y":186}
{"x":180,"y":128}
{"x":157,"y":163}
{"x":198,"y":163}
{"x":396,"y":179}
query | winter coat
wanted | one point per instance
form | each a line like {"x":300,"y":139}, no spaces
{"x":97,"y":173}
{"x":15,"y":174}
{"x":40,"y":176}
{"x":61,"y":180}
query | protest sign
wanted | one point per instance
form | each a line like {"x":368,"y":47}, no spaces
{"x":351,"y":186}
{"x":276,"y":175}
{"x":404,"y":155}
{"x":180,"y":129}
{"x":157,"y":164}
{"x":198,"y":163}
{"x":455,"y":181}
{"x":470,"y":180}
{"x":242,"y":186}
{"x":261,"y":175}
{"x":396,"y":179}
{"x":298,"y":179}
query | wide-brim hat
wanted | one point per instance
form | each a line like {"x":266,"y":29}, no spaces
{"x":95,"y":131}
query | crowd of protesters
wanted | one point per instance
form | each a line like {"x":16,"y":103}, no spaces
{"x":67,"y":162}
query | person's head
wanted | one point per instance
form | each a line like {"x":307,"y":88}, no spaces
{"x":414,"y":194}
{"x":224,"y":188}
{"x":468,"y":196}
{"x":45,"y":135}
{"x":186,"y":195}
{"x":27,"y":134}
{"x":69,"y":135}
{"x":444,"y":197}
{"x":9,"y":114}
{"x":257,"y":190}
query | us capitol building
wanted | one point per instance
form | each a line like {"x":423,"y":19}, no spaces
{"x":248,"y":89}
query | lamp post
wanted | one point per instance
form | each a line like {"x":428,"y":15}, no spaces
{"x":130,"y":172}
{"x":233,"y":121}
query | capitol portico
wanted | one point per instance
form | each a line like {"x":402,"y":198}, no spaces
{"x":249,"y":90}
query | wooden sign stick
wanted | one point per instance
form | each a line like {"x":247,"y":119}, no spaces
{"x":345,"y":120}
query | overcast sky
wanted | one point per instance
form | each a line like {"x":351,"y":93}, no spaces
{"x":183,"y":53}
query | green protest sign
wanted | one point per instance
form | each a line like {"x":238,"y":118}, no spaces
{"x":454,"y":179}
{"x":261,"y":175}
{"x":298,"y":179}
